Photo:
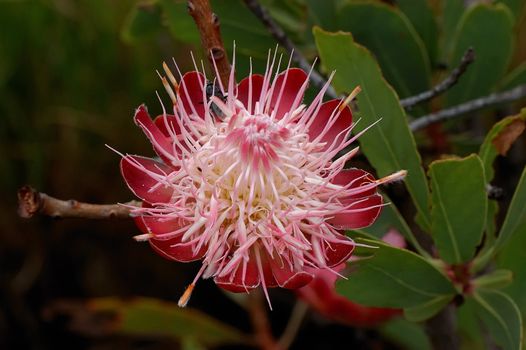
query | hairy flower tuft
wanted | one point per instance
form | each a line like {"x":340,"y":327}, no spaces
{"x":250,"y":180}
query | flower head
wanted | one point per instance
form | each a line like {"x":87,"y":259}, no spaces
{"x":249,"y":180}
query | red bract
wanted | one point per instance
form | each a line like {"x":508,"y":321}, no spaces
{"x":321,"y":296}
{"x":248,"y":183}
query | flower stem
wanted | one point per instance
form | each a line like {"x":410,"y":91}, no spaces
{"x":260,"y":322}
{"x":296,"y":319}
{"x":208,"y":25}
{"x":32,"y":202}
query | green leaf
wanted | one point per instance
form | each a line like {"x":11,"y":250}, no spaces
{"x":469,"y":326}
{"x":143,"y":21}
{"x":423,"y":20}
{"x":407,"y":335}
{"x":511,"y":243}
{"x":499,"y":139}
{"x":189,"y":343}
{"x":179,"y":22}
{"x":493,"y":48}
{"x":389,"y":145}
{"x":514,"y":78}
{"x":389,"y":35}
{"x":428,"y":309}
{"x":240,"y":25}
{"x":512,"y":257}
{"x":516,"y":215}
{"x":452,"y":11}
{"x":152,"y":317}
{"x":502,"y":317}
{"x":290,"y":16}
{"x":323,"y":13}
{"x":393,"y":277}
{"x":459,"y":205}
{"x":514,"y":5}
{"x":496,"y":279}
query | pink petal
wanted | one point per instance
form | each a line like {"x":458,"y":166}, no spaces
{"x":191,"y":93}
{"x":295,"y":78}
{"x":171,"y":248}
{"x":174,"y":250}
{"x":350,"y":221}
{"x":357,"y":177}
{"x":140,"y":182}
{"x":161,"y":122}
{"x":243,"y":91}
{"x":157,"y":225}
{"x":161,"y":144}
{"x":321,"y":119}
{"x":288,"y":278}
{"x":236,"y":283}
{"x":338,"y":253}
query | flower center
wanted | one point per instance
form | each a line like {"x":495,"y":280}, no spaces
{"x":250,"y":176}
{"x":258,"y":139}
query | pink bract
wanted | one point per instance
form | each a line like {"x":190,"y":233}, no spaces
{"x":258,"y":192}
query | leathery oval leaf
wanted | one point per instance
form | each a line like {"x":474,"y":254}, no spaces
{"x":393,"y":277}
{"x":458,"y":206}
{"x":388,"y":145}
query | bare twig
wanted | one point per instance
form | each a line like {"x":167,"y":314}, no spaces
{"x":446,"y":84}
{"x":32,"y":202}
{"x":278,"y":33}
{"x":208,"y":25}
{"x":260,"y":323}
{"x":470,"y":106}
{"x":296,"y":319}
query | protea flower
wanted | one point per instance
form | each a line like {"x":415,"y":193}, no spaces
{"x":248,"y":180}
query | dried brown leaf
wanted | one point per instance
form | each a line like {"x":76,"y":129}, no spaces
{"x":508,"y":135}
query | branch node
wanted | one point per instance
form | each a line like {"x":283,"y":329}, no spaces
{"x":215,"y":20}
{"x":217,"y":53}
{"x":207,"y":23}
{"x":29,"y":202}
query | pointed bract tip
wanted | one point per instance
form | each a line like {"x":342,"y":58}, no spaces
{"x":143,"y":238}
{"x":170,"y":75}
{"x":398,"y":176}
{"x":183,"y":300}
{"x":168,"y":89}
{"x":351,"y":97}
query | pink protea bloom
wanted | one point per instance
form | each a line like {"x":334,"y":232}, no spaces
{"x":248,"y":183}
